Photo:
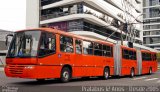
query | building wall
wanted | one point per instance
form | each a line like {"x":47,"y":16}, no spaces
{"x":96,"y":8}
{"x":151,"y":26}
{"x":32,"y":14}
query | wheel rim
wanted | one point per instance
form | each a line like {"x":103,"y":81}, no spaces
{"x":132,"y":73}
{"x":66,"y":75}
{"x":106,"y":74}
{"x":150,"y":71}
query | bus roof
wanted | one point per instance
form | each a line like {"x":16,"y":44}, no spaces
{"x":128,"y":48}
{"x":147,"y":51}
{"x":68,"y":34}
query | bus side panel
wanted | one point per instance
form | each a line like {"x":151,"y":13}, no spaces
{"x":117,"y":60}
{"x":155,"y":63}
{"x":101,"y":62}
{"x":127,"y":65}
{"x":49,"y":63}
{"x":155,"y":66}
{"x":48,"y":71}
{"x":97,"y":65}
{"x":78,"y":69}
{"x":146,"y":66}
{"x":88,"y":65}
{"x":110,"y":63}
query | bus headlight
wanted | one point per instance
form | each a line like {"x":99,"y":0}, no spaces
{"x":29,"y":67}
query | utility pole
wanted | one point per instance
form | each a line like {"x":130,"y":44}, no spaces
{"x":121,"y":38}
{"x":125,"y":28}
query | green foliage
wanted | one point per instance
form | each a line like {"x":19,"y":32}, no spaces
{"x":158,"y":57}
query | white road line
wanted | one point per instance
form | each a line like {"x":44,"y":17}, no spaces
{"x":150,"y":79}
{"x":139,"y":78}
{"x":158,"y":81}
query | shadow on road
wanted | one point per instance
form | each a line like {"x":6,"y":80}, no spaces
{"x":86,"y":79}
{"x":57,"y":81}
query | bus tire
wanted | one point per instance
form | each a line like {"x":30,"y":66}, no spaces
{"x":132,"y":73}
{"x":65,"y":75}
{"x":40,"y":80}
{"x":150,"y":71}
{"x":84,"y":78}
{"x":106,"y":73}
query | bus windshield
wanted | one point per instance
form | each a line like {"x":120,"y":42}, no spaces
{"x":24,"y":44}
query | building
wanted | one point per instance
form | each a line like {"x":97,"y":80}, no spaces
{"x":151,"y":26}
{"x":3,"y":47}
{"x":100,"y":19}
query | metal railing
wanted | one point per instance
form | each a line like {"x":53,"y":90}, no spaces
{"x":43,"y":2}
{"x":79,"y":11}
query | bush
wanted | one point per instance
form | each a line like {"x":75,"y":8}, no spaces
{"x":158,"y":57}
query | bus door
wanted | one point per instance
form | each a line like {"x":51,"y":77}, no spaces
{"x":79,"y":62}
{"x":67,"y":50}
{"x":47,"y":49}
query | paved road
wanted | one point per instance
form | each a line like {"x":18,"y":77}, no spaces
{"x":145,"y":80}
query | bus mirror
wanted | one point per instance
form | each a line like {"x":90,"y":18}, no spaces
{"x":7,"y":38}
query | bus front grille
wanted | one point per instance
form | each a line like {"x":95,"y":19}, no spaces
{"x":16,"y":69}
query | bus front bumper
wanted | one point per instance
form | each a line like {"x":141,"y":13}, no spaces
{"x":32,"y":71}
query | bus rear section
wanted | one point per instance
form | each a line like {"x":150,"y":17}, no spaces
{"x":48,"y":53}
{"x":130,"y":61}
{"x":149,"y":62}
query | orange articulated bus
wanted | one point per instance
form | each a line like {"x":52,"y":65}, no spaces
{"x":46,"y":53}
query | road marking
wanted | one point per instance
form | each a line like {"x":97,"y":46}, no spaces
{"x":151,"y":79}
{"x":158,"y":81}
{"x":139,"y":78}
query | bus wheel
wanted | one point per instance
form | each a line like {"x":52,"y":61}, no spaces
{"x":106,"y":73}
{"x":65,"y":75}
{"x":40,"y":80}
{"x":150,"y":70}
{"x":132,"y":73}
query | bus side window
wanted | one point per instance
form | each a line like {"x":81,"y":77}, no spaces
{"x":155,"y":57}
{"x":47,"y":44}
{"x":152,"y":56}
{"x":143,"y":56}
{"x":97,"y":49}
{"x":87,"y":47}
{"x":125,"y":54}
{"x":78,"y":46}
{"x":107,"y":51}
{"x":148,"y":56}
{"x":131,"y":55}
{"x":134,"y":55}
{"x":66,"y":44}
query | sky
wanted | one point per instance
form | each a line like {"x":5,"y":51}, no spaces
{"x":12,"y":15}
